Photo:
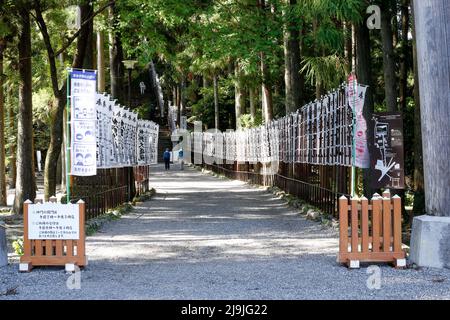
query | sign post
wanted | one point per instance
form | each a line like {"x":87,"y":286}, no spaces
{"x":67,"y":142}
{"x":352,"y":96}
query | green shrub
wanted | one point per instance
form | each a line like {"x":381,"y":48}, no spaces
{"x":18,"y":246}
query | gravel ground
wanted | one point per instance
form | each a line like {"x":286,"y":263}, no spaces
{"x":206,"y":238}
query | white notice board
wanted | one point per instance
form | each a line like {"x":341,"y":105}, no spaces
{"x":53,"y":221}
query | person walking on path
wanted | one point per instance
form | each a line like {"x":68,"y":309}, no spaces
{"x":166,"y":158}
{"x":180,"y":158}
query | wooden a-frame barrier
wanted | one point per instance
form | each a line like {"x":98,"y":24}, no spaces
{"x":53,"y":252}
{"x":371,"y":232}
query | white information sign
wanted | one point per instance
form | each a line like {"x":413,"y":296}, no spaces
{"x":84,"y":117}
{"x":53,"y":221}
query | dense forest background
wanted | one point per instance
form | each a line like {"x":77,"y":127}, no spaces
{"x":228,"y":63}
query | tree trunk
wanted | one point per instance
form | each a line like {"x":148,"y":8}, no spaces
{"x":25,"y":184}
{"x":115,"y":57}
{"x":348,"y":35}
{"x":353,"y":48}
{"x":89,"y":60}
{"x":267,"y":101}
{"x":292,"y":60}
{"x":12,"y":147}
{"x":266,"y":91}
{"x":238,"y":96}
{"x":317,"y":53}
{"x":3,"y":195}
{"x":63,"y":157}
{"x":394,"y":22}
{"x":419,"y":183}
{"x":56,"y":130}
{"x":174,"y":95}
{"x":179,"y":104}
{"x":157,"y":88}
{"x":54,"y":149}
{"x":100,"y":61}
{"x":216,"y":102}
{"x":364,"y":74}
{"x":206,"y":82}
{"x":252,"y":98}
{"x":404,"y":57}
{"x":388,"y":57}
{"x":183,"y":99}
{"x":433,"y":53}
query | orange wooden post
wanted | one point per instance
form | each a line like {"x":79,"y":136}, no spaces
{"x":81,"y":243}
{"x":386,"y":224}
{"x":69,"y":253}
{"x":25,"y":260}
{"x":355,"y":225}
{"x":397,"y":202}
{"x":343,"y":228}
{"x":365,"y":225}
{"x":376,"y":226}
{"x":48,"y":248}
{"x":38,"y":246}
{"x":59,"y":248}
{"x":49,"y":243}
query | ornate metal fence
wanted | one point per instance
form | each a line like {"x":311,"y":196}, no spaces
{"x":307,"y":153}
{"x":110,"y":188}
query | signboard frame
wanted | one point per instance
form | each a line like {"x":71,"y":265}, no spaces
{"x":389,"y":144}
{"x":53,"y":252}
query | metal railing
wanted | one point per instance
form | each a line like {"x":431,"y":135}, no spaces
{"x":110,"y":188}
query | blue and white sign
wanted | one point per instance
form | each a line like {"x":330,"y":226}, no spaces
{"x":83,"y":90}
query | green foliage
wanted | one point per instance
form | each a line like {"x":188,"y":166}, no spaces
{"x":247,"y":122}
{"x":18,"y":246}
{"x":42,"y":104}
{"x":329,"y":71}
{"x":203,"y":109}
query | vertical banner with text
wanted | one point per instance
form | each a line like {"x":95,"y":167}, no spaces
{"x":356,"y":98}
{"x":83,"y":92}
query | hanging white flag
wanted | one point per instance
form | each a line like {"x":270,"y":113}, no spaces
{"x":362,"y":157}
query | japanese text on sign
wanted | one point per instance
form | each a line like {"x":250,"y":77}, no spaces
{"x":53,"y":221}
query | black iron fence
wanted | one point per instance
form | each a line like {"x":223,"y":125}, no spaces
{"x":110,"y":188}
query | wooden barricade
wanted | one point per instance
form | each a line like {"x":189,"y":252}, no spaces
{"x":371,"y":232}
{"x":53,"y":252}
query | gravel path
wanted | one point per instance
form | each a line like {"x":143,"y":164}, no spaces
{"x":206,"y":238}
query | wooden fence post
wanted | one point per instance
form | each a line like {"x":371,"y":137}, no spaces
{"x":376,"y":222}
{"x":343,"y":229}
{"x":25,"y":261}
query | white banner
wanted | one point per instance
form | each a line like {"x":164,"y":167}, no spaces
{"x":361,"y":149}
{"x":122,"y":139}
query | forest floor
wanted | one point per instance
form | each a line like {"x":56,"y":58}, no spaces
{"x":202,"y":237}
